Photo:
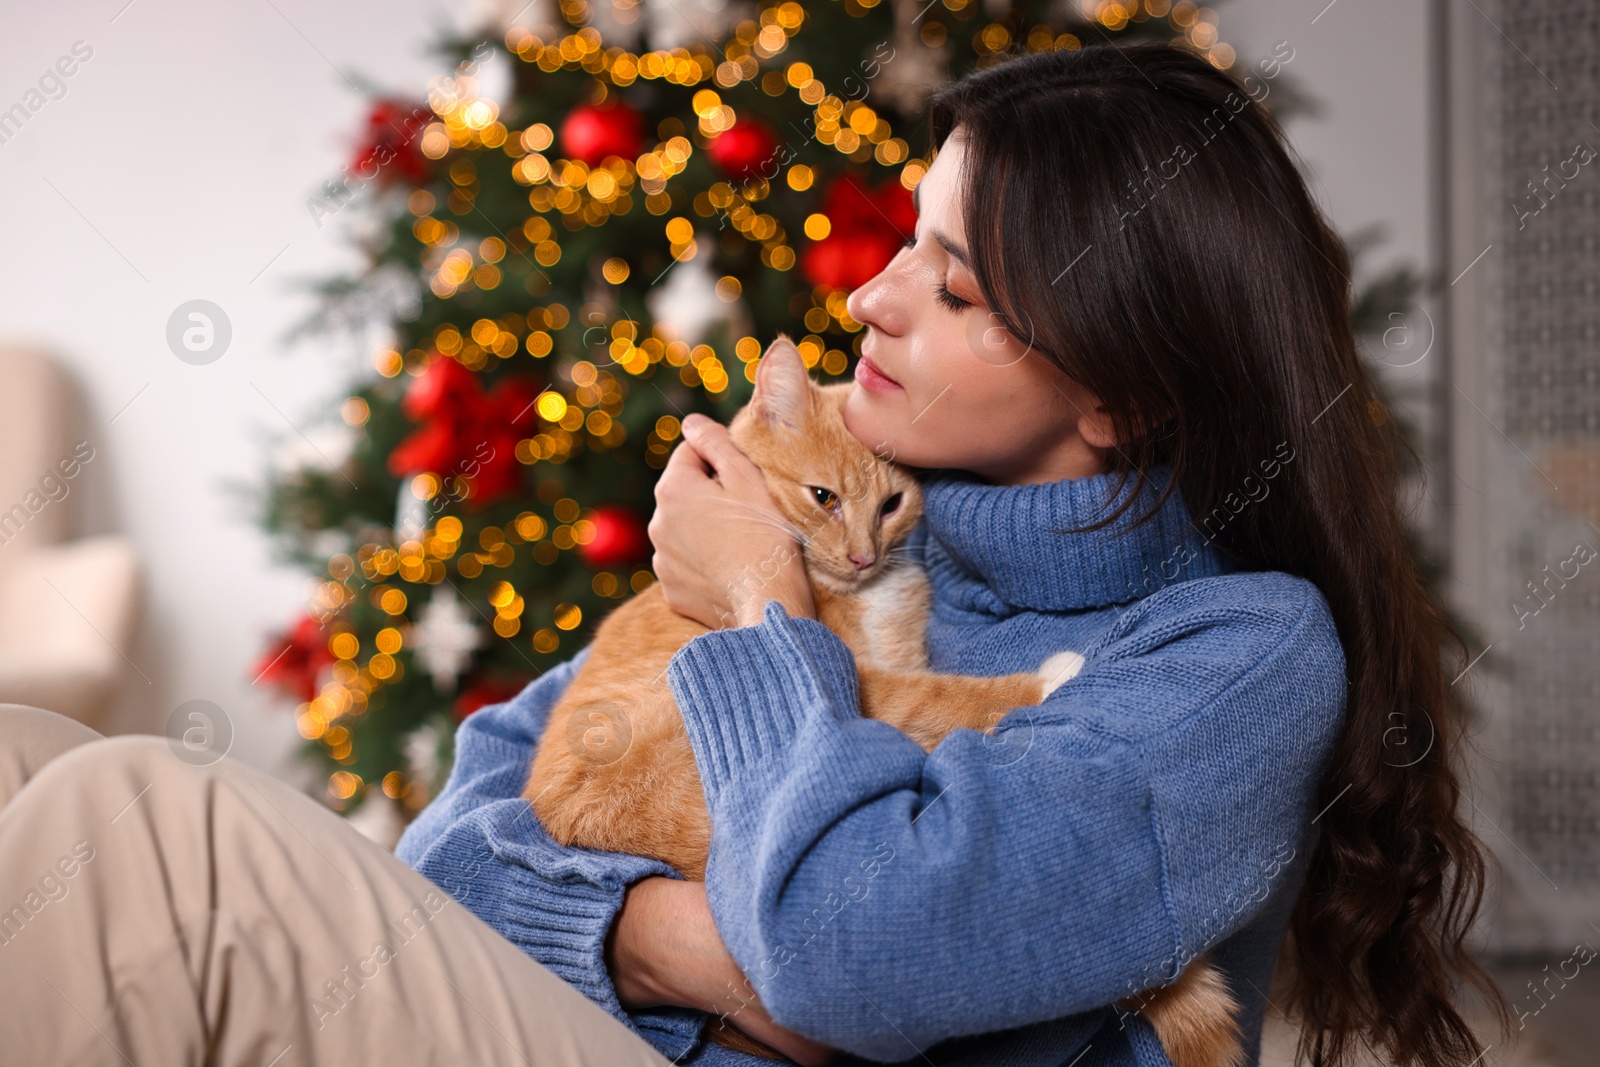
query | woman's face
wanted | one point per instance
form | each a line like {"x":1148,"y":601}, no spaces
{"x":940,"y":383}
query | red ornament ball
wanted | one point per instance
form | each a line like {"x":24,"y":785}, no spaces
{"x":868,"y":227}
{"x":848,"y":260}
{"x":592,"y":132}
{"x":619,"y":539}
{"x":744,"y":150}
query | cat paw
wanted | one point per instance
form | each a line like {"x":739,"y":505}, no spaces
{"x":1058,"y":668}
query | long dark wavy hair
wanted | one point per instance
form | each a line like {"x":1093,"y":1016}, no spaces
{"x":1134,"y":212}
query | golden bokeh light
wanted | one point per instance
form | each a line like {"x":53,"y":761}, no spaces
{"x":552,"y":406}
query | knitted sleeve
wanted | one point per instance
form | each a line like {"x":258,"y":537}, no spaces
{"x":481,"y":842}
{"x":882,"y":898}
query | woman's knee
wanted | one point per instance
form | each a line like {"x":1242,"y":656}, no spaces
{"x":147,"y":778}
{"x":30,"y":738}
{"x":147,"y":754}
{"x":25,"y":726}
{"x":116,"y":770}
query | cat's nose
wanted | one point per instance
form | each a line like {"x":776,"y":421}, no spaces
{"x":863,"y":562}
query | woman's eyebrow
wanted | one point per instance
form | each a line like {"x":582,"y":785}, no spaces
{"x":955,"y":250}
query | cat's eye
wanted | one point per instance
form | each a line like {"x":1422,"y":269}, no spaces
{"x":825,"y":498}
{"x":890,"y":506}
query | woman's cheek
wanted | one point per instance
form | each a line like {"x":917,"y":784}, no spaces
{"x":872,"y":422}
{"x":948,"y":432}
{"x":892,"y":429}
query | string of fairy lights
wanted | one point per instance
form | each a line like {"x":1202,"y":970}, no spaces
{"x":574,"y":195}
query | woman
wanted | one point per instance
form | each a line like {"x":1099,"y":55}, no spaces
{"x":1118,"y":279}
{"x":1081,"y":335}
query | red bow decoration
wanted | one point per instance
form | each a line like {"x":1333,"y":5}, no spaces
{"x":391,"y":148}
{"x":295,"y":659}
{"x":482,"y":694}
{"x":867,"y":229}
{"x":468,"y":433}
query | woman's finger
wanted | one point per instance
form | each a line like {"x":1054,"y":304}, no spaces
{"x":712,"y":442}
{"x":684,"y":466}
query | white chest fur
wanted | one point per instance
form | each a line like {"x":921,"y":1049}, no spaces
{"x":892,"y":616}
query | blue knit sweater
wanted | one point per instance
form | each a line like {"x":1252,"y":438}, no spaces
{"x":983,"y":903}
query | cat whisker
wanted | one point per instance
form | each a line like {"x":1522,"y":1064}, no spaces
{"x":758,"y":512}
{"x":766,"y":518}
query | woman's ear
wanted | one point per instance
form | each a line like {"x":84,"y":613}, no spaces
{"x":1096,"y":428}
{"x":1095,"y":423}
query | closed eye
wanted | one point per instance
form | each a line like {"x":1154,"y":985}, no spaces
{"x":949,"y":299}
{"x":942,"y":293}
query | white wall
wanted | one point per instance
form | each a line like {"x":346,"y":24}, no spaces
{"x":1369,"y":65}
{"x":184,"y":151}
{"x":1369,"y":159}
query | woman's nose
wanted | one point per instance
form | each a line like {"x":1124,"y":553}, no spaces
{"x":878,"y":303}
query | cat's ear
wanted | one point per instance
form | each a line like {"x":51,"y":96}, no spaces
{"x":783,"y":388}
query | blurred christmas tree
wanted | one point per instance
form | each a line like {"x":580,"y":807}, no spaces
{"x":566,"y":269}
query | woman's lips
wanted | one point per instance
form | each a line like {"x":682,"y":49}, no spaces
{"x":871,"y":377}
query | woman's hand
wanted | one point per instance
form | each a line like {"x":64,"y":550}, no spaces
{"x":664,"y":949}
{"x":722,"y":547}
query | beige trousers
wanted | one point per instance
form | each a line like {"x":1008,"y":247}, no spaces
{"x":157,"y":914}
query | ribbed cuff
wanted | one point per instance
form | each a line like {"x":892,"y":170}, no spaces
{"x":566,"y":932}
{"x":745,"y":693}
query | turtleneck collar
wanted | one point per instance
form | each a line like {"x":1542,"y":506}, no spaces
{"x":1006,"y":539}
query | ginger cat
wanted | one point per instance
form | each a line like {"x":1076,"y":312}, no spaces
{"x":615,"y":770}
